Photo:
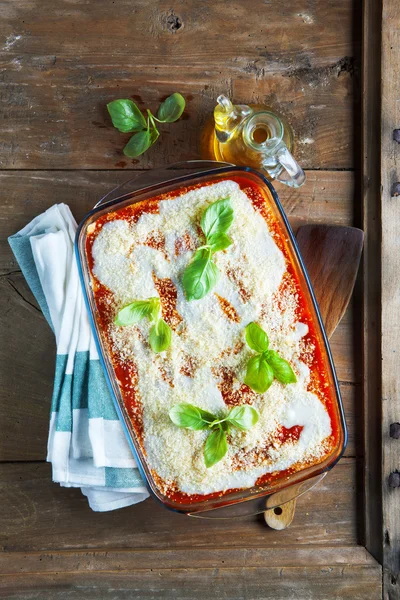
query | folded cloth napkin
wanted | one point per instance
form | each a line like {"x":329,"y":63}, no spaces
{"x":86,"y":446}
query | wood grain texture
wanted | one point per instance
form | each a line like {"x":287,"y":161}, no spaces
{"x":332,"y":256}
{"x":174,"y":558}
{"x":371,"y":275}
{"x":36,"y":514}
{"x":27,"y":363}
{"x":62,"y":62}
{"x":268,"y":583}
{"x":390,"y":323}
{"x":326,"y":197}
{"x":281,"y":517}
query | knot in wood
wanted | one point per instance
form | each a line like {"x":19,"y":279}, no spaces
{"x":394,"y":480}
{"x":173,"y":22}
{"x":395,"y":431}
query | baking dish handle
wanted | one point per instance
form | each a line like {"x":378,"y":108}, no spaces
{"x":153,"y":176}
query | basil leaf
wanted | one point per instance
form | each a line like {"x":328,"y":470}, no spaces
{"x":154,"y":308}
{"x":219,"y":241}
{"x":126,"y":116}
{"x":171,"y":109}
{"x":160,"y":336}
{"x":154,"y":133}
{"x":259,"y":375}
{"x":217,"y":218}
{"x":215,"y":448}
{"x":190,"y":417}
{"x":256,"y":338}
{"x":283,"y":372}
{"x":134,"y":312}
{"x":139,"y":143}
{"x":200,"y":276}
{"x":243,"y":417}
{"x":225,"y":426}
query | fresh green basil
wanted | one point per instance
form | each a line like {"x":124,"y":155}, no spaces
{"x":267,"y":364}
{"x":190,"y":417}
{"x":283,"y":372}
{"x":160,"y":336}
{"x":171,"y":109}
{"x":215,"y":448}
{"x":126,"y":116}
{"x":139,"y":143}
{"x":217,"y":218}
{"x":243,"y":417}
{"x":155,"y":307}
{"x":218,"y":241}
{"x":160,"y":333}
{"x":154,"y":135}
{"x":256,"y":338}
{"x":259,"y":375}
{"x":200,"y":276}
{"x":134,"y":312}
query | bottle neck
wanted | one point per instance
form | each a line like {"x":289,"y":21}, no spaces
{"x":263,"y":132}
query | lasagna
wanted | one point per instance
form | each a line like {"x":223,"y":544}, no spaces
{"x":140,"y":251}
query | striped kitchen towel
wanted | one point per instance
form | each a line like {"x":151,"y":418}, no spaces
{"x":86,"y":446}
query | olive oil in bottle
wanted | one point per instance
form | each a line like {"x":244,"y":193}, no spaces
{"x":255,"y":136}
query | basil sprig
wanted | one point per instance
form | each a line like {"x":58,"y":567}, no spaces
{"x":267,"y":365}
{"x":201,"y":275}
{"x":216,"y":446}
{"x":160,"y":332}
{"x":127,"y":118}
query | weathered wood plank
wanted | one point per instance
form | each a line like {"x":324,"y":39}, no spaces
{"x":371,"y":275}
{"x":352,"y":402}
{"x":124,"y":560}
{"x":66,"y":125}
{"x":27,"y":360}
{"x":62,"y":64}
{"x":27,"y":351}
{"x":209,"y":34}
{"x":344,"y":347}
{"x":274,"y":583}
{"x":309,"y":99}
{"x":36,"y":514}
{"x":390,"y":264}
{"x":326,"y":197}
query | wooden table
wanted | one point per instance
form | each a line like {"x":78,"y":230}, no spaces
{"x":62,"y":61}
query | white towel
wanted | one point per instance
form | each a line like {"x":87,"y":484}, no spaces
{"x":87,"y":445}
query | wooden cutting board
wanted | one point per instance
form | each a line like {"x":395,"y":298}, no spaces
{"x":331,"y":254}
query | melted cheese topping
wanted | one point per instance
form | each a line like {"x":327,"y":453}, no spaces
{"x":206,"y":362}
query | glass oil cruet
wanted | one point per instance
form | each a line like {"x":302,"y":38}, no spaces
{"x":256,"y":137}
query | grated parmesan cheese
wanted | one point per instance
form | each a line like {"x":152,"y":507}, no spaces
{"x":207,"y":340}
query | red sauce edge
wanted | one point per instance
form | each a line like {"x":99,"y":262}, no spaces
{"x":317,"y":368}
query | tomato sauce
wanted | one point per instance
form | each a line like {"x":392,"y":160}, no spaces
{"x":126,"y":373}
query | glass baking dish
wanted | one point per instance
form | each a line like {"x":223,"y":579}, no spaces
{"x":167,"y":181}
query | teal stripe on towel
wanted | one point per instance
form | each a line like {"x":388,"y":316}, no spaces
{"x":21,"y":247}
{"x":61,"y":402}
{"x":123,"y":478}
{"x":64,"y":416}
{"x":85,"y":388}
{"x":80,"y":380}
{"x":100,"y":402}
